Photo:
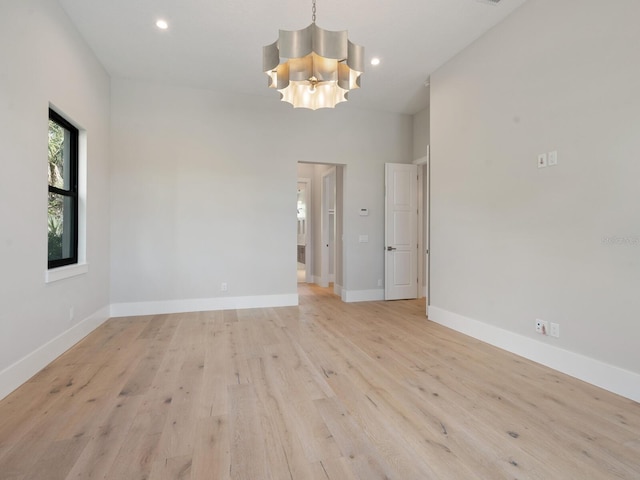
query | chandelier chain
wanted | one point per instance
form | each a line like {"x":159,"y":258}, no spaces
{"x":313,"y":12}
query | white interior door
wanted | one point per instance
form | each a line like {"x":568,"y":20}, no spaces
{"x":401,"y":231}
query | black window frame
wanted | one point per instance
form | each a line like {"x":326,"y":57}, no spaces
{"x":71,"y":192}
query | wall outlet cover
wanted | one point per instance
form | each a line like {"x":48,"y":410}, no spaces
{"x":542,"y":160}
{"x":542,"y":327}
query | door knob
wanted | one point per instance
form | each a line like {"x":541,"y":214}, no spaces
{"x":389,"y":249}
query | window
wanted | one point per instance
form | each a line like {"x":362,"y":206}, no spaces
{"x":63,"y":192}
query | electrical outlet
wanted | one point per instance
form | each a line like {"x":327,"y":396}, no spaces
{"x":542,"y":327}
{"x":379,"y":282}
{"x":224,"y":287}
{"x":542,"y":160}
{"x":555,"y":330}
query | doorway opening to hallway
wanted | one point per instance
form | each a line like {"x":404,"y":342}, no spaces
{"x":319,"y":225}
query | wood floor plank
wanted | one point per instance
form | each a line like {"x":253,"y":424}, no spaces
{"x":303,"y":418}
{"x":105,"y":442}
{"x":355,"y":445}
{"x":58,"y":459}
{"x":283,"y":443}
{"x":536,"y":421}
{"x":248,"y":453}
{"x":212,"y":454}
{"x":74,"y":371}
{"x":213,"y":400}
{"x":321,"y":391}
{"x":138,"y":449}
{"x":239,"y":352}
{"x":174,"y":468}
{"x":334,"y":469}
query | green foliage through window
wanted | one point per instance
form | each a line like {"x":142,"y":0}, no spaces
{"x":63,"y":192}
{"x":56,"y":146}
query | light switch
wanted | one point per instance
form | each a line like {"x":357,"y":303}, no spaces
{"x":553,"y":158}
{"x":363,"y":238}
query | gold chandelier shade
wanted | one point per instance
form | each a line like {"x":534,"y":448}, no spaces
{"x":320,"y":66}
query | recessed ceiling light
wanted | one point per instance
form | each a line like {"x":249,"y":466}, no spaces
{"x":375,"y":61}
{"x":162,"y":24}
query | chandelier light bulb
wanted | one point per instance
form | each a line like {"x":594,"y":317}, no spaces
{"x":313,"y":81}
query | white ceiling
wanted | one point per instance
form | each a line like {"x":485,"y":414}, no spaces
{"x":217,"y":44}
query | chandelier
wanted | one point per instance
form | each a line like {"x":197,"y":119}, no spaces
{"x":319,"y":67}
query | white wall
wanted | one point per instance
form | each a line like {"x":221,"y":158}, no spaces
{"x":421,"y":138}
{"x":510,"y":242}
{"x":43,"y":60}
{"x":204,"y":189}
{"x":421,"y":133}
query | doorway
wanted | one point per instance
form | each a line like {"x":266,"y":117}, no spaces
{"x":323,"y":184}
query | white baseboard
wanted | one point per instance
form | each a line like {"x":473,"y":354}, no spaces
{"x":201,"y":305}
{"x":18,"y":373}
{"x":614,"y":379}
{"x":337,"y":289}
{"x":362,"y":295}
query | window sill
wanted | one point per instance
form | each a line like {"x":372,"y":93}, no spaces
{"x":68,"y":271}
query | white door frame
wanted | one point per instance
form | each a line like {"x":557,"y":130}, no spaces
{"x":326,"y":218}
{"x":423,"y":224}
{"x":308,"y":249}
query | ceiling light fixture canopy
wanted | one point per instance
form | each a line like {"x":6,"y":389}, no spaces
{"x":320,"y":67}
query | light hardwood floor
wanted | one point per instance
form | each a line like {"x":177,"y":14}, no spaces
{"x":325,"y":390}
